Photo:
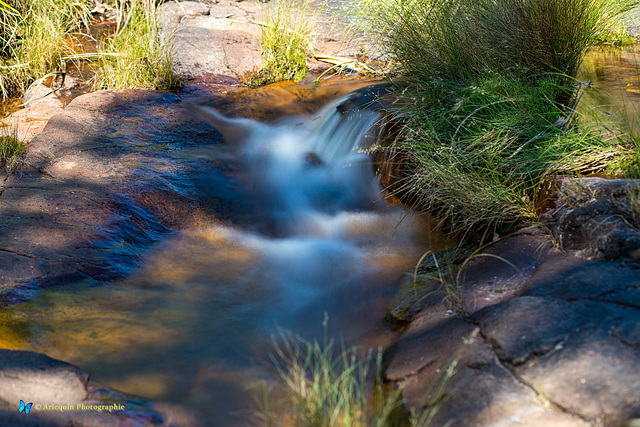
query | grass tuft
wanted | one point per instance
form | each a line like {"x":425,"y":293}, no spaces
{"x":134,"y":58}
{"x":458,"y":39}
{"x":328,"y":389}
{"x":11,"y":149}
{"x":477,"y":152}
{"x":285,"y":40}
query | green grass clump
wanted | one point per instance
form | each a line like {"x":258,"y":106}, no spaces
{"x":488,"y":94}
{"x":459,"y":39}
{"x":478,"y":152}
{"x":134,"y":58}
{"x":324,"y":389}
{"x":10,"y":150}
{"x":33,"y":39}
{"x":284,"y":38}
{"x":327,"y":389}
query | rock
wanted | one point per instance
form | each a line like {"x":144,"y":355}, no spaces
{"x":528,"y":326}
{"x":590,"y":377}
{"x":211,"y":39}
{"x":480,"y":391}
{"x":569,"y":277}
{"x":560,"y":345}
{"x":103,"y":181}
{"x":43,"y":99}
{"x":628,"y":332}
{"x":495,"y":275}
{"x":37,"y":92}
{"x":594,"y":216}
{"x":171,"y":14}
{"x":35,"y":377}
{"x":416,"y":351}
{"x":31,"y":120}
{"x":632,"y":22}
{"x":216,"y":45}
{"x":62,"y":395}
{"x":48,"y":87}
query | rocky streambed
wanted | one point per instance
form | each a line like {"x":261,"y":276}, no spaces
{"x":552,"y":332}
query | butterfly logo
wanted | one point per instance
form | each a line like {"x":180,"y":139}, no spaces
{"x":26,"y":408}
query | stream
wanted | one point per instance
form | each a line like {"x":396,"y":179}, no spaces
{"x":319,"y":252}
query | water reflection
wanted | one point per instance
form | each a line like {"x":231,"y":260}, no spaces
{"x":615,"y":77}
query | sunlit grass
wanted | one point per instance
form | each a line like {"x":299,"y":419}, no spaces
{"x":33,"y":39}
{"x":285,"y":36}
{"x":328,"y":389}
{"x":458,"y":39}
{"x":134,"y":58}
{"x":11,"y":148}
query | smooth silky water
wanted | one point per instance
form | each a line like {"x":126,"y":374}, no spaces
{"x":193,"y":326}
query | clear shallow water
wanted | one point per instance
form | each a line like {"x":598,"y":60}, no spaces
{"x":193,"y":326}
{"x":615,"y":78}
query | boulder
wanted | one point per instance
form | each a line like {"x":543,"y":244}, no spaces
{"x":211,"y":39}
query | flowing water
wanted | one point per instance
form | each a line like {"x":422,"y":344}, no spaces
{"x":193,"y":326}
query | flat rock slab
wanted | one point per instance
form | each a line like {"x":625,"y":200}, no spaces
{"x":108,"y":176}
{"x":217,"y":44}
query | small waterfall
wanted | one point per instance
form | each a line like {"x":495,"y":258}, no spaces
{"x":306,"y":169}
{"x":331,"y":240}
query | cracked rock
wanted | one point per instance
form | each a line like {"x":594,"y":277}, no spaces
{"x":594,"y":376}
{"x":523,"y":327}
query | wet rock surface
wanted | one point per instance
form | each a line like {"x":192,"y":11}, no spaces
{"x":108,"y":176}
{"x":61,"y":394}
{"x":553,"y":341}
